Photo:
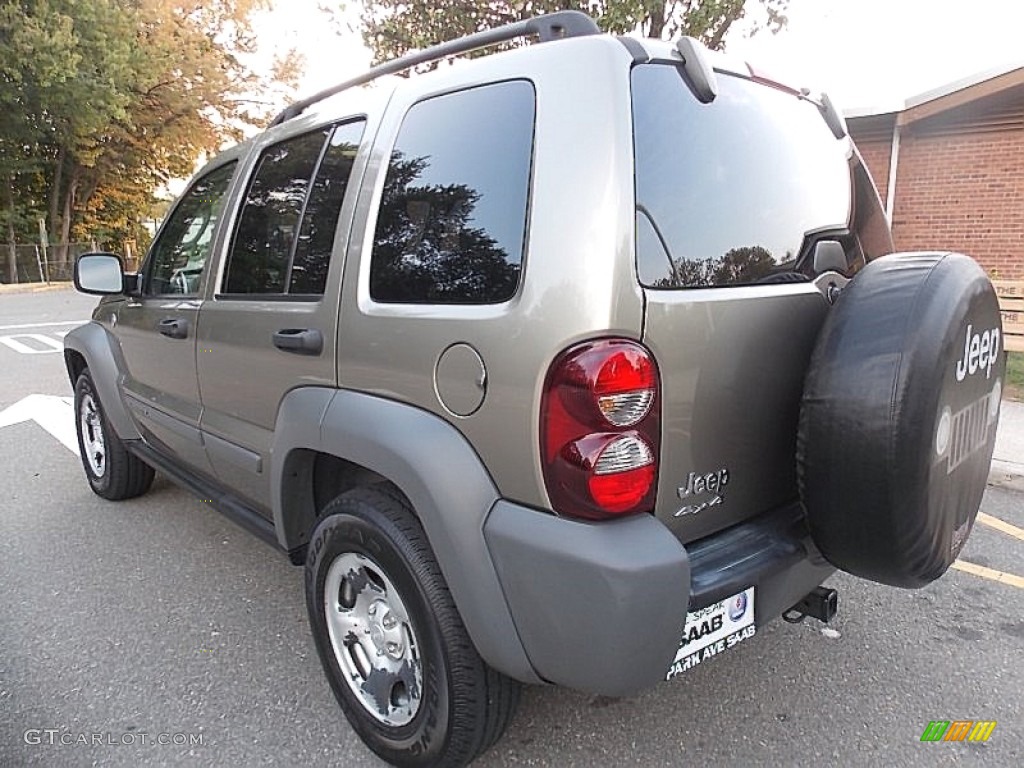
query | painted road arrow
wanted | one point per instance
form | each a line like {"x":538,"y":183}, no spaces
{"x":54,"y":414}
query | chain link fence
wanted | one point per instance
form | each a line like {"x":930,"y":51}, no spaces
{"x":33,"y":264}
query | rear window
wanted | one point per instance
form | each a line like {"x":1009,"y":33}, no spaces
{"x":727,"y":192}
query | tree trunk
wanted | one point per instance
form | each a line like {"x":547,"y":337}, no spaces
{"x":55,"y":193}
{"x":715,"y":43}
{"x":68,"y":209}
{"x":12,"y":252}
{"x":656,"y":16}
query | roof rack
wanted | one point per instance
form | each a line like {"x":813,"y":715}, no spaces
{"x":551,"y":26}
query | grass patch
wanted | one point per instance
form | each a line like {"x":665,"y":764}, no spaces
{"x":1015,"y":376}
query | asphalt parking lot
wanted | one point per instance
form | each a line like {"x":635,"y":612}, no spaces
{"x":159,"y":617}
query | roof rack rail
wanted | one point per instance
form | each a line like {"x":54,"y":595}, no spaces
{"x":551,"y":26}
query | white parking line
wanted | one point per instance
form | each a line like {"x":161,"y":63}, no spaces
{"x":41,"y":325}
{"x":18,"y":342}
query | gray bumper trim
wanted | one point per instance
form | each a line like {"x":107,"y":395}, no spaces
{"x":599,"y":607}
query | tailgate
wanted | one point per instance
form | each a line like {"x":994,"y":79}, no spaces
{"x":731,"y":198}
{"x":732,"y":375}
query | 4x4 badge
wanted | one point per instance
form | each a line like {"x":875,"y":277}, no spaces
{"x":693,"y":509}
{"x":712,"y":482}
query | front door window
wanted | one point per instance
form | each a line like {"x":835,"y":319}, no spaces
{"x":180,"y":252}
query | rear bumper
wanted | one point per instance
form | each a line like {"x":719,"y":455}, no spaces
{"x":601,"y":607}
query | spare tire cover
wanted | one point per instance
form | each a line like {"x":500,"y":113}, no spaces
{"x":898,"y":417}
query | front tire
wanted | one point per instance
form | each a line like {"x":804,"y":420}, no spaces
{"x":391,"y":641}
{"x":113,"y":472}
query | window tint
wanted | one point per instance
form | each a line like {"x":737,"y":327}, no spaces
{"x":180,"y":253}
{"x":262,"y":245}
{"x":320,"y":219}
{"x":726,"y":192}
{"x":452,"y":217}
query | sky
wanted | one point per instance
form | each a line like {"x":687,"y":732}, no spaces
{"x":864,"y":53}
{"x":869,"y":53}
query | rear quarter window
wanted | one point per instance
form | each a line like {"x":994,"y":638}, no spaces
{"x":452,"y":220}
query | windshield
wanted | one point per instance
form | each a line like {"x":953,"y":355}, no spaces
{"x":727,"y":191}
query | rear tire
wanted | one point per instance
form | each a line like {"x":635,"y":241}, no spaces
{"x":113,"y":472}
{"x":391,"y":640}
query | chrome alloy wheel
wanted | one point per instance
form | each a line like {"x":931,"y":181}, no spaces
{"x":92,"y":435}
{"x":373,"y":639}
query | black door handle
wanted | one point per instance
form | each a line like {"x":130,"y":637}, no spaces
{"x":302,"y":341}
{"x":173,"y":327}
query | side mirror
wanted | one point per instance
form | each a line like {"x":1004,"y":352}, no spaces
{"x":100,"y":274}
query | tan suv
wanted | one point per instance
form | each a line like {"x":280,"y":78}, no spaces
{"x":572,"y":364}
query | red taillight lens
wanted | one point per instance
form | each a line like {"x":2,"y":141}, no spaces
{"x":600,"y":431}
{"x":621,"y":492}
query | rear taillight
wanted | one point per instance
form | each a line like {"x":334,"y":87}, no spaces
{"x":600,"y":430}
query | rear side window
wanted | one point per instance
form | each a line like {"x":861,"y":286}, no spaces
{"x":727,"y":192}
{"x":452,"y":221}
{"x":320,"y":218}
{"x":285,"y":232}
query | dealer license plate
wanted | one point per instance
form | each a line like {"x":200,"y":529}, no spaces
{"x":713,"y":630}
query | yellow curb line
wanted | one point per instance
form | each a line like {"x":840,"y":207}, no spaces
{"x":989,"y":573}
{"x":1001,"y":525}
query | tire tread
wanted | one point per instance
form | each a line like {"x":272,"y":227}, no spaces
{"x":483,"y":701}
{"x":127,"y":476}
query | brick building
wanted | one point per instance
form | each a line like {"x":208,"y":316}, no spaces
{"x":949,"y":167}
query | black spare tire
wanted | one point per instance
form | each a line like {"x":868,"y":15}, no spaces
{"x":898,"y":417}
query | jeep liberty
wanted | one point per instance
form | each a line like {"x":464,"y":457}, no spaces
{"x":572,"y":364}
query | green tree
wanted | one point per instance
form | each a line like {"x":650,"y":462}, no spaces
{"x":103,"y":101}
{"x":36,"y":58}
{"x":393,"y":27}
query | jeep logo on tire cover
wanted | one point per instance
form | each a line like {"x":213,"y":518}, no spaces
{"x":980,"y":353}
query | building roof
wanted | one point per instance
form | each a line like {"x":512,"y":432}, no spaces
{"x":949,"y":96}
